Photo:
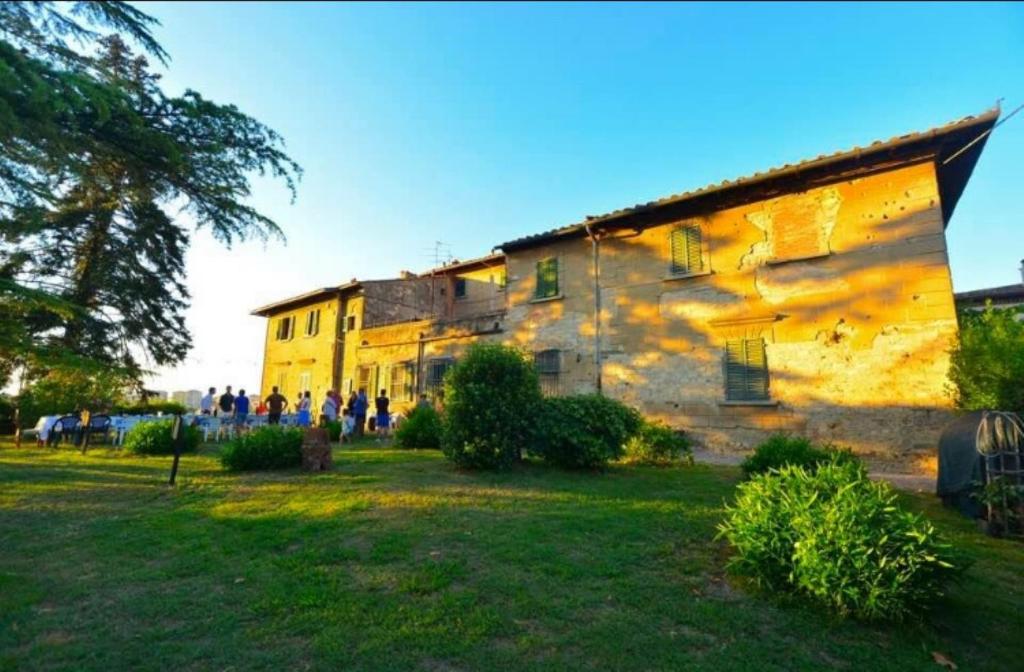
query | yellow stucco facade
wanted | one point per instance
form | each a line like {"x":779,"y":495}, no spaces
{"x":301,"y":349}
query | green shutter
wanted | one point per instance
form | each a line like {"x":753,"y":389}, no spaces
{"x":746,"y":370}
{"x":686,"y":250}
{"x":547,"y":278}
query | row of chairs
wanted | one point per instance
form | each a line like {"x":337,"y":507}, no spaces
{"x":69,"y":428}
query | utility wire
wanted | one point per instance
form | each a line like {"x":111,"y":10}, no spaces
{"x":983,"y":135}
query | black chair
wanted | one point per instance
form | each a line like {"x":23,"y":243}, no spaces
{"x":64,"y":430}
{"x":98,"y":424}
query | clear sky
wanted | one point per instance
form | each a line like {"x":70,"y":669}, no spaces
{"x":476,"y":124}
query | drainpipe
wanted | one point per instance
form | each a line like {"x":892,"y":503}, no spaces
{"x":595,"y":247}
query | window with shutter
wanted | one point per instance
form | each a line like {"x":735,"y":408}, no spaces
{"x":350,"y":323}
{"x":547,"y":278}
{"x":401,"y":387}
{"x":313,"y":322}
{"x":366,"y":379}
{"x":285,"y":328}
{"x":746,"y":370}
{"x":549,"y":371}
{"x":685,"y":242}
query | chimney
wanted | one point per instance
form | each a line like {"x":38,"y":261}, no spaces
{"x":1022,"y":271}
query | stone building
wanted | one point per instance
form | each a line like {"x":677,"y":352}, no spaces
{"x":1003,"y":296}
{"x":814,"y":298}
{"x":398,"y":334}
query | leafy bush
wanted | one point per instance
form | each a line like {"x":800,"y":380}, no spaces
{"x":584,"y":431}
{"x":657,"y":444}
{"x":333,"y":428}
{"x":272,"y":447}
{"x":422,"y":429}
{"x":151,"y":408}
{"x":63,"y":391}
{"x":154,"y":438}
{"x":781,"y":450}
{"x":834,"y":536}
{"x":491,"y":400}
{"x":987,"y":362}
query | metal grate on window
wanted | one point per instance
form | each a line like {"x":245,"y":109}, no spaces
{"x":549,"y":371}
{"x":436,"y":370}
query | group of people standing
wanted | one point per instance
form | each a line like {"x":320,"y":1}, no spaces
{"x":352,"y":413}
{"x":227,"y":405}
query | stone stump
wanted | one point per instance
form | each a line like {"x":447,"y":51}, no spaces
{"x":316,"y":450}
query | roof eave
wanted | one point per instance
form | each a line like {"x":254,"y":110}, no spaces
{"x":937,"y":145}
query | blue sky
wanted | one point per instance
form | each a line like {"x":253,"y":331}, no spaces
{"x":477,"y":123}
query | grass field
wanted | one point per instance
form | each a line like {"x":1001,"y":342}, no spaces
{"x":395,"y":561}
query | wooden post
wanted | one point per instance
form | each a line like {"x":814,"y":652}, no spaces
{"x":177,"y":436}
{"x":83,"y":427}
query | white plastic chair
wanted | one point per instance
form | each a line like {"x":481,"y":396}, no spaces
{"x":211,"y":426}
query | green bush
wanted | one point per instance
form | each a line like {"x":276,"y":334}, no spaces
{"x":422,"y":429}
{"x":657,"y":444}
{"x":62,"y":391}
{"x":491,"y":401}
{"x":272,"y":447}
{"x":333,"y":428}
{"x":987,"y":362}
{"x":584,"y":431}
{"x":781,"y":450}
{"x":154,"y":438}
{"x":832,"y":535}
{"x":151,"y":408}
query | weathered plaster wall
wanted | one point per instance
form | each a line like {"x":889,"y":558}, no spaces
{"x":857,"y":328}
{"x":417,"y":343}
{"x":390,"y":301}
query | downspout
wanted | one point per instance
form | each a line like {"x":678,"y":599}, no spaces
{"x":595,"y":246}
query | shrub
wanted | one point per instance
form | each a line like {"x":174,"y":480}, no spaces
{"x":987,"y":362}
{"x":657,"y":444}
{"x":271,"y":447}
{"x":781,"y":450}
{"x":154,"y":438}
{"x":62,"y":391}
{"x":836,"y":537}
{"x":422,"y":429}
{"x":491,"y":400}
{"x":151,"y":408}
{"x":333,"y":428}
{"x":584,"y":431}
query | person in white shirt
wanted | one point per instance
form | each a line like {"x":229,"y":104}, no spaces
{"x":330,"y":407}
{"x":206,"y":403}
{"x":348,"y":426}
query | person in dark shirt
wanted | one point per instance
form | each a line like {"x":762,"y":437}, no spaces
{"x":226,"y":403}
{"x":241,"y":409}
{"x":276,"y":403}
{"x":359,"y":409}
{"x":383,"y":416}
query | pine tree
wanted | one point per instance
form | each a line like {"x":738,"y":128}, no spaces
{"x":97,"y":169}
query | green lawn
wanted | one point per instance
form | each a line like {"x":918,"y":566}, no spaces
{"x":395,"y":561}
